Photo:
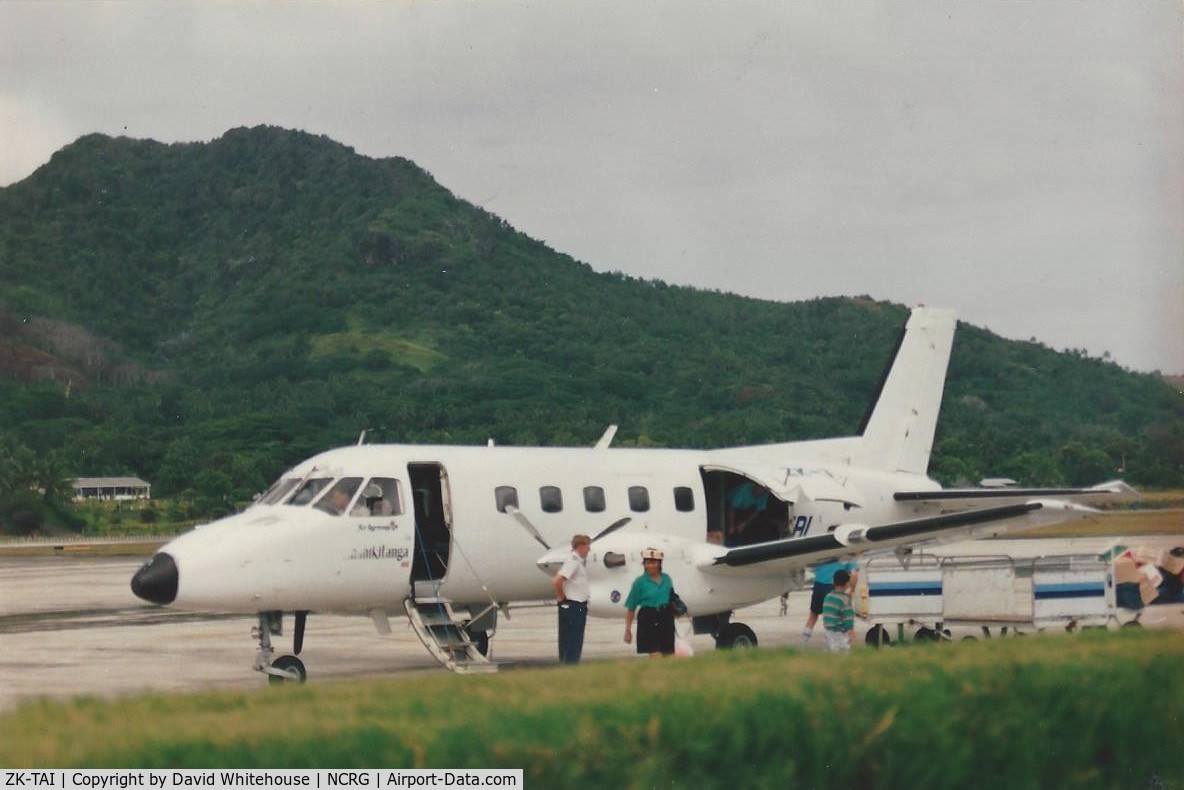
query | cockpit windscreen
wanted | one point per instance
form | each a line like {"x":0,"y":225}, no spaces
{"x":308,"y":492}
{"x":337,"y":500}
{"x":279,"y":489}
{"x":380,"y":496}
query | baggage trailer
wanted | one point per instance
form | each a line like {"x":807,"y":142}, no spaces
{"x":934,"y":594}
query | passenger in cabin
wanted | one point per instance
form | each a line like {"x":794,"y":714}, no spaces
{"x":649,"y":598}
{"x":747,"y":504}
{"x":571,"y":590}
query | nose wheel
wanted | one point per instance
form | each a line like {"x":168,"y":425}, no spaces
{"x":292,"y":669}
{"x":285,"y":669}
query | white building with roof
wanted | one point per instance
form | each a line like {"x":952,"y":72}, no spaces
{"x":118,"y":488}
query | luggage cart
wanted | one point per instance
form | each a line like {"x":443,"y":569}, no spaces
{"x":933,"y":594}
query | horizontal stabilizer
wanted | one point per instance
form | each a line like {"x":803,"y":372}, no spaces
{"x":969,"y":497}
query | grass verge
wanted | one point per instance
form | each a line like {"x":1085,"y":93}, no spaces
{"x":1086,"y":710}
{"x":1113,"y":524}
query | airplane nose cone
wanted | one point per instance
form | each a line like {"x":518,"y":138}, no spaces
{"x":156,"y":582}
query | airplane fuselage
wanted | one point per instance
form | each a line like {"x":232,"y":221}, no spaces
{"x":450,"y":535}
{"x":453,"y":523}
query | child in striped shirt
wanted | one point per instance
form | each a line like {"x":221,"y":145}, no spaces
{"x":838,"y":616}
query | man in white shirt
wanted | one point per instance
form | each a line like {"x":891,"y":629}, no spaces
{"x":571,"y":590}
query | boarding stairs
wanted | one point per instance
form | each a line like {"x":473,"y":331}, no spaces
{"x":442,"y":630}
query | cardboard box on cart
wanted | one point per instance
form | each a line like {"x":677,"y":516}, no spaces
{"x":1126,"y":570}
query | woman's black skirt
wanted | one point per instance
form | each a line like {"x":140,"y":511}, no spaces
{"x":655,"y":630}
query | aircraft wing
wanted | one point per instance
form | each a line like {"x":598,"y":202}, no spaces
{"x":781,"y":556}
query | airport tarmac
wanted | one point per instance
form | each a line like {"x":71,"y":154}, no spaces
{"x":70,"y":626}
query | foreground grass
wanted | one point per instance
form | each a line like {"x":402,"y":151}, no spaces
{"x":1088,"y":710}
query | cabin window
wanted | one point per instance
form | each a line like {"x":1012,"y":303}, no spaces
{"x":594,"y":499}
{"x":308,"y":492}
{"x":280,"y":489}
{"x":551,"y":499}
{"x":639,"y":499}
{"x":505,"y":497}
{"x":684,"y":499}
{"x":337,"y":500}
{"x":380,"y":497}
{"x":613,"y":560}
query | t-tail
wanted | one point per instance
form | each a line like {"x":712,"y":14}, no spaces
{"x":897,"y":433}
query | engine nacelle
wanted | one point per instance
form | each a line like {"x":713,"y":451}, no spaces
{"x":850,"y":534}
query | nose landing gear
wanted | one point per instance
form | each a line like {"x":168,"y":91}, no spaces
{"x":285,"y":669}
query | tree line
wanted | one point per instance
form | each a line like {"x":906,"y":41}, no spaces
{"x":212,"y":313}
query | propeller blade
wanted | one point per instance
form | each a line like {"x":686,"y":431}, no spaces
{"x":525,"y":522}
{"x":613,"y":527}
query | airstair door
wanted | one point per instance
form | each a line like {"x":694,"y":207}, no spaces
{"x":433,"y":521}
{"x":443,"y":630}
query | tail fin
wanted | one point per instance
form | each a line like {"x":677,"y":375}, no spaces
{"x":898,"y":431}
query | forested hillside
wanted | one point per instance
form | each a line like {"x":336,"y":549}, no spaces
{"x":203,"y":315}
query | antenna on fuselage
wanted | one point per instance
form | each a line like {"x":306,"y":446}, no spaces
{"x":362,"y":437}
{"x":607,"y":438}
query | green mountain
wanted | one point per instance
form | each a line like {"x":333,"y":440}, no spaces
{"x":203,"y":315}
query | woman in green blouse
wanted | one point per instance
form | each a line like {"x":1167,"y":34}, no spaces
{"x":649,"y":598}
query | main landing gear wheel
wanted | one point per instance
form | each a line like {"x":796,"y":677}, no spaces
{"x":292,"y":666}
{"x":735,"y":635}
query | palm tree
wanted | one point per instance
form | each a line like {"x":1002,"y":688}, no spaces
{"x":21,"y":469}
{"x":53,"y":477}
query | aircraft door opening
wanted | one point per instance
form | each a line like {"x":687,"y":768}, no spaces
{"x":433,"y":521}
{"x":741,"y":511}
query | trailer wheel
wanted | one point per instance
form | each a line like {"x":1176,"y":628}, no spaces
{"x":877,"y":636}
{"x":925,"y":635}
{"x":969,"y":639}
{"x":1132,"y":624}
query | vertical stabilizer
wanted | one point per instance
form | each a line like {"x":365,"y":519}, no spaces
{"x":898,"y":433}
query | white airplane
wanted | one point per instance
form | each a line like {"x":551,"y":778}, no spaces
{"x":450,"y":536}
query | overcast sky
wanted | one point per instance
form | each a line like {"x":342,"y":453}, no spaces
{"x":1020,"y":162}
